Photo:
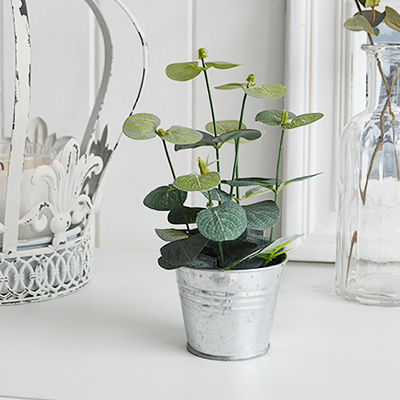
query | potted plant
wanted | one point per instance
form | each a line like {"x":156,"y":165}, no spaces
{"x":368,"y":235}
{"x":228,"y":271}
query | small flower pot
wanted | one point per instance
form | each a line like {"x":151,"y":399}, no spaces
{"x":228,"y":314}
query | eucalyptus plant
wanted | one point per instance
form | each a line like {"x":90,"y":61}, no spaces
{"x":222,"y":233}
{"x":368,"y":19}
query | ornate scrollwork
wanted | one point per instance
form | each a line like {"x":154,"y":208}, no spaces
{"x":65,"y":179}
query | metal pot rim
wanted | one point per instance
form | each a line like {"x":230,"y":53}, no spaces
{"x":213,"y":270}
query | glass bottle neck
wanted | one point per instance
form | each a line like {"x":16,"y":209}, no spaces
{"x":383,"y":83}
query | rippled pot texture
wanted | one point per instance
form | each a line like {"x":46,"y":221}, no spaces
{"x":228,"y":314}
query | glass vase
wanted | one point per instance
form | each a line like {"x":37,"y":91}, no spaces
{"x":368,"y":234}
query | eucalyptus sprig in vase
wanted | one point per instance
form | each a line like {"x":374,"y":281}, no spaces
{"x":228,"y":268}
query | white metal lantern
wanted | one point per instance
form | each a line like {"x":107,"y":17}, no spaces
{"x":51,"y":186}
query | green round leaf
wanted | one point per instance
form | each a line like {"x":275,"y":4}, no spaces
{"x":231,"y":86}
{"x":197,"y":183}
{"x":181,"y":135}
{"x":302,"y":120}
{"x":262,"y":215}
{"x":220,"y":65}
{"x":267,"y":91}
{"x":141,"y":126}
{"x":183,"y":71}
{"x":225,"y":222}
{"x":272,"y":117}
{"x":164,"y":198}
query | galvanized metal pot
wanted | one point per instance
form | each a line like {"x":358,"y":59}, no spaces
{"x":228,"y":314}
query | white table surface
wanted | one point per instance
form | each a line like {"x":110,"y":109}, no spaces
{"x":122,"y":337}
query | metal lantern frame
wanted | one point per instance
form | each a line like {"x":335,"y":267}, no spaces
{"x":47,"y":267}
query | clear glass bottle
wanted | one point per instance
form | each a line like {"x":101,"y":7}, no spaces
{"x":368,"y":234}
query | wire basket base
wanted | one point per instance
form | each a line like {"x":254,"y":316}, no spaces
{"x":43,"y":273}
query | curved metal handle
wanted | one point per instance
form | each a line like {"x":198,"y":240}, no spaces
{"x":20,"y":123}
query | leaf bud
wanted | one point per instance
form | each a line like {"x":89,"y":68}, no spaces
{"x":162,"y":133}
{"x":284,"y":117}
{"x":203,"y":167}
{"x":251,"y":80}
{"x":202,"y":53}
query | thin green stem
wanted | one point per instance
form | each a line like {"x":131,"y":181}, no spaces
{"x":235,"y":171}
{"x":169,"y":159}
{"x":214,"y":122}
{"x":278,"y":166}
{"x":178,"y":191}
{"x":221,"y":255}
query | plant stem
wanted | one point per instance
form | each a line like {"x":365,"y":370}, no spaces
{"x":235,"y":171}
{"x":178,"y":191}
{"x":278,"y":165}
{"x":212,"y":113}
{"x":221,"y":255}
{"x":169,"y":159}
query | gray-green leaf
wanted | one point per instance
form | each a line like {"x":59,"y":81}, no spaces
{"x":207,"y":140}
{"x":182,"y":251}
{"x":262,"y":215}
{"x":224,"y":126}
{"x":360,"y":23}
{"x":268,"y":183}
{"x":197,"y":183}
{"x":164,"y":198}
{"x":378,"y":17}
{"x":217,"y":195}
{"x":231,"y":86}
{"x":299,"y":179}
{"x":171,"y":235}
{"x":267,"y":91}
{"x":392,"y":19}
{"x":272,"y":117}
{"x":182,"y":136}
{"x":255,"y":192}
{"x":183,"y":71}
{"x":246,"y":134}
{"x":141,"y":126}
{"x":182,"y":215}
{"x":224,"y":222}
{"x":220,"y":65}
{"x":302,"y":120}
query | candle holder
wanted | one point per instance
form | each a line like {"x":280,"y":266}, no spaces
{"x":50,"y":187}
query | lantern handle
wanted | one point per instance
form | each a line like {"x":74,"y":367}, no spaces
{"x":108,"y":56}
